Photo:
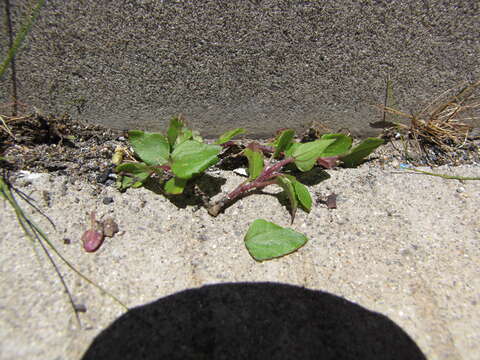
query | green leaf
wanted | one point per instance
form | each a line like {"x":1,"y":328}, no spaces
{"x":303,"y":195}
{"x":185,"y":135}
{"x":265,"y":240}
{"x":193,"y":157}
{"x":175,"y":186}
{"x":229,"y":135}
{"x":174,"y":129}
{"x":283,"y":141}
{"x":361,"y":151}
{"x":306,"y":154}
{"x":291,"y":149}
{"x":301,"y":192}
{"x":341,"y":145}
{"x":152,"y":148}
{"x":134,"y":175}
{"x":286,"y":183}
{"x":255,"y":160}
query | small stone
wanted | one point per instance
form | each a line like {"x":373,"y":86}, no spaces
{"x":241,"y":172}
{"x":461,"y":189}
{"x":47,"y":198}
{"x":110,"y":227}
{"x":107,"y":200}
{"x":102,"y":178}
{"x":82,"y":308}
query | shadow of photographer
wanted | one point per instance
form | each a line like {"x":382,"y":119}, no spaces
{"x":252,"y":321}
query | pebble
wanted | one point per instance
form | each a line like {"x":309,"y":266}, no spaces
{"x":110,"y":227}
{"x":102,"y":178}
{"x":241,"y":172}
{"x":107,"y":200}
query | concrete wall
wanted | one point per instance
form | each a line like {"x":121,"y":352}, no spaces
{"x":254,"y":63}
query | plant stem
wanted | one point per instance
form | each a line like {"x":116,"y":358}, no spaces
{"x":445,"y":176}
{"x":33,"y":232}
{"x":262,"y":180}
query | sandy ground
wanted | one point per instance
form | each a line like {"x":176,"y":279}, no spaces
{"x":403,"y":245}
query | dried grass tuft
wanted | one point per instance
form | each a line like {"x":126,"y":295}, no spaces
{"x":442,"y":124}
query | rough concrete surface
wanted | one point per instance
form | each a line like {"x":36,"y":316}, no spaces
{"x":259,"y":64}
{"x":401,"y":249}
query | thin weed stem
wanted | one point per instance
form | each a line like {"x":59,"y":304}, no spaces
{"x":35,"y":233}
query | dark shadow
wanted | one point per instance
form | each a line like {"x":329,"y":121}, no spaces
{"x":364,"y":161}
{"x":208,"y":185}
{"x":312,"y":177}
{"x":252,"y":321}
{"x":231,"y":159}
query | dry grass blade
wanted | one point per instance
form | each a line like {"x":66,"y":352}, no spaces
{"x":7,"y":121}
{"x":442,"y":123}
{"x":5,"y":127}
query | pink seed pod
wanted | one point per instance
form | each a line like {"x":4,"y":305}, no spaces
{"x":93,"y":238}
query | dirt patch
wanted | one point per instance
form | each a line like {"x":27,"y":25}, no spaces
{"x":61,"y":145}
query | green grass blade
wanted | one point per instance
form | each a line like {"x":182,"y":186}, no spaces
{"x":444,"y":176}
{"x":20,"y":37}
{"x":34,"y":232}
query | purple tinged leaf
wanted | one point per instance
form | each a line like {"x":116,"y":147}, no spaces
{"x":328,"y":162}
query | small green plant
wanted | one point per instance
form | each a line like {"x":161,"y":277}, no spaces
{"x":175,"y":157}
{"x":181,"y":155}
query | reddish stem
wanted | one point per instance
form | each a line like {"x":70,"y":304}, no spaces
{"x":262,"y":180}
{"x":165,"y":167}
{"x":93,"y":220}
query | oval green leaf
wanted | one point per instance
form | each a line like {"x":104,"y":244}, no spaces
{"x":340,"y":146}
{"x":175,"y":186}
{"x":255,"y":161}
{"x":291,"y":149}
{"x":193,"y":157}
{"x":306,"y":154}
{"x":184,"y":135}
{"x":282,"y":142}
{"x":174,"y":130}
{"x":229,"y":135}
{"x":132,"y":175}
{"x":286,"y":183}
{"x":361,"y":151}
{"x":265,"y":240}
{"x":303,"y":195}
{"x":152,"y":148}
